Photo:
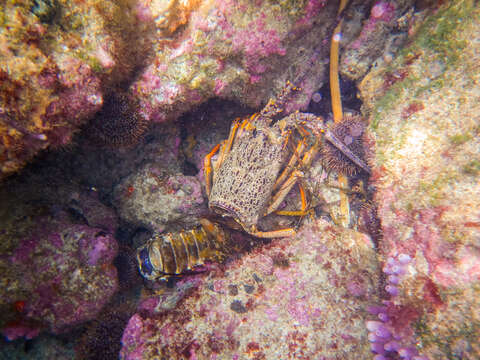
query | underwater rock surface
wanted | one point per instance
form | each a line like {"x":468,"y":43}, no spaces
{"x":245,"y":51}
{"x":65,"y":286}
{"x":55,"y":58}
{"x":155,"y":199}
{"x":57,"y":272}
{"x":296,"y":297}
{"x":381,"y":35}
{"x":425,"y":123}
{"x":326,"y":293}
{"x":62,"y":60}
{"x":238,"y":50}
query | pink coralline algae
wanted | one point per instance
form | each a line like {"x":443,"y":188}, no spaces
{"x":312,"y":9}
{"x":258,"y":42}
{"x":132,"y":338}
{"x":63,"y":275}
{"x":391,"y":334}
{"x":99,"y":251}
{"x":95,"y":213}
{"x":234,"y":50}
{"x":372,"y":40}
{"x":281,"y":300}
{"x":427,"y":191}
{"x":382,"y":10}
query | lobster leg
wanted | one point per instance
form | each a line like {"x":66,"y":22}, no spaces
{"x":272,"y":234}
{"x":303,"y":210}
{"x":224,"y":147}
{"x":283,"y":191}
{"x":287,"y":185}
{"x":207,"y":168}
{"x":291,"y":165}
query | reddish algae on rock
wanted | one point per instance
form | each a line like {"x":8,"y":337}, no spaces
{"x":296,"y":297}
{"x":426,"y":167}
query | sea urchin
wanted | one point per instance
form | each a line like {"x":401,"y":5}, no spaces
{"x":350,"y":131}
{"x":118,"y":123}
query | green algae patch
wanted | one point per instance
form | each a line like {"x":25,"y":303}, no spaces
{"x":433,"y":85}
{"x":459,"y":139}
{"x":439,"y":32}
{"x":472,"y":168}
{"x":386,"y":103}
{"x":455,"y":325}
{"x":445,"y":339}
{"x":436,"y":39}
{"x":435,"y":190}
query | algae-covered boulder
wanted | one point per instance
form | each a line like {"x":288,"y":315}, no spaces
{"x":300,"y":297}
{"x":56,"y":59}
{"x":62,"y":60}
{"x":425,"y":122}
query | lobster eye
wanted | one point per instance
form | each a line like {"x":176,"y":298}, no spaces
{"x":144,"y":263}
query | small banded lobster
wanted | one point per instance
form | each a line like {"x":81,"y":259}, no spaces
{"x":171,"y":254}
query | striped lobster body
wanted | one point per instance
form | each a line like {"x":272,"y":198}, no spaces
{"x":173,"y":254}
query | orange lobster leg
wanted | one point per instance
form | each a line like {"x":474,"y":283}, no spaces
{"x":290,"y":166}
{"x":207,"y":168}
{"x":283,"y":191}
{"x":273,"y":234}
{"x":227,"y":145}
{"x":303,"y":211}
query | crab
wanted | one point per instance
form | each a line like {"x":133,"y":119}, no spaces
{"x":260,"y":163}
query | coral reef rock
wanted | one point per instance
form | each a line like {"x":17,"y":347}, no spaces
{"x":155,"y":199}
{"x":238,"y":50}
{"x":56,"y":274}
{"x":55,"y":56}
{"x":424,"y":118}
{"x":61,"y":61}
{"x":300,"y":297}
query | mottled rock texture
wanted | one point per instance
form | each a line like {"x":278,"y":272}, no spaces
{"x":63,"y":275}
{"x":56,"y":59}
{"x":155,"y":199}
{"x":245,"y":51}
{"x":233,"y":50}
{"x":297,"y":297}
{"x":56,"y":262}
{"x":62,"y":60}
{"x":425,"y":122}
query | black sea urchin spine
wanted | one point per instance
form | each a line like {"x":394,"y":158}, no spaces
{"x":118,"y":123}
{"x":350,"y":132}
